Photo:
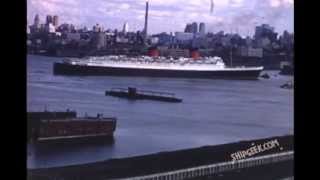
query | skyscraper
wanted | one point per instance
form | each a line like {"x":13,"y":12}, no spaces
{"x":49,"y":19}
{"x":188,"y":28}
{"x":56,"y":21}
{"x":265,"y":31}
{"x":145,"y":30}
{"x":125,"y":28}
{"x":36,"y":20}
{"x":194,"y":27}
{"x":202,"y":28}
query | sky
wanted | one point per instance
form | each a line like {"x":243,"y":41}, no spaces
{"x":237,"y":16}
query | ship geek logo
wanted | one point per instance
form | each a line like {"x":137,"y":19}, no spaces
{"x":255,"y":149}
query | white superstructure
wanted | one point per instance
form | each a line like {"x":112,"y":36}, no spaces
{"x":146,"y":62}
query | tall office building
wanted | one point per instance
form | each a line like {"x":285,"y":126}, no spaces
{"x":202,"y":28}
{"x":194,"y":27}
{"x":56,"y":21}
{"x":125,"y":28}
{"x":265,"y":31}
{"x":49,"y":19}
{"x":188,"y":28}
{"x":36,"y":20}
{"x":97,"y":28}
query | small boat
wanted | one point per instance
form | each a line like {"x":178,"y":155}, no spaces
{"x":288,"y":85}
{"x":265,"y":76}
{"x":287,"y":70}
{"x":134,"y":94}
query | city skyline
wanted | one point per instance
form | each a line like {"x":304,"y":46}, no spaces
{"x":238,"y":16}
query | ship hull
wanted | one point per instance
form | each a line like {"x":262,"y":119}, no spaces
{"x":80,"y":70}
{"x":142,"y":96}
{"x":105,"y":137}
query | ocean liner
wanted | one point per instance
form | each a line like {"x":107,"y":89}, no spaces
{"x":205,"y":67}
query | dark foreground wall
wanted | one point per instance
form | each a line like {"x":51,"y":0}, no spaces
{"x":166,"y":161}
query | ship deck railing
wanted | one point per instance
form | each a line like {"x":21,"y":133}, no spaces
{"x":147,"y":61}
{"x":217,"y":168}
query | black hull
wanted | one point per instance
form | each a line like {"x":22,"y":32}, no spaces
{"x":105,"y":137}
{"x":78,"y":70}
{"x":108,"y":139}
{"x":142,"y":97}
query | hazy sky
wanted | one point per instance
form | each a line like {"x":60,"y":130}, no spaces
{"x":168,"y":15}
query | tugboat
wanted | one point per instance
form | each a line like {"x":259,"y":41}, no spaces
{"x":265,"y":76}
{"x":61,"y":126}
{"x":288,"y":85}
{"x":132,"y":93}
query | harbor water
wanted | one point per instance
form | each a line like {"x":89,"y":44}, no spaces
{"x":212,"y":112}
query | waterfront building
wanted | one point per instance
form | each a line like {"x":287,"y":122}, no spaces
{"x":154,"y":40}
{"x":73,"y":37}
{"x":99,"y":40}
{"x":264,"y":42}
{"x":250,"y":52}
{"x":97,"y":28}
{"x":265,"y":31}
{"x":50,"y":28}
{"x":200,"y":42}
{"x":286,"y":40}
{"x":42,"y":27}
{"x":173,"y":52}
{"x":121,"y":39}
{"x":164,"y":38}
{"x":248,"y":41}
{"x":182,"y":36}
{"x":72,"y":28}
{"x":85,"y":29}
{"x":36,"y":25}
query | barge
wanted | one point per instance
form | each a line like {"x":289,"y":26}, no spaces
{"x":207,"y":67}
{"x":57,"y":126}
{"x":134,"y":94}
